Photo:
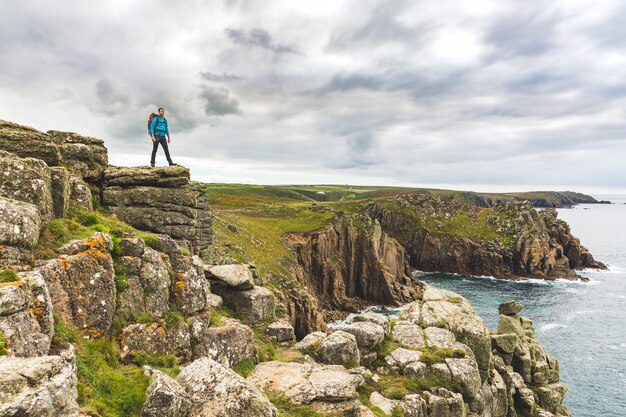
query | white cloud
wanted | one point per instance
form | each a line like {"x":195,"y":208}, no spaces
{"x":395,"y":92}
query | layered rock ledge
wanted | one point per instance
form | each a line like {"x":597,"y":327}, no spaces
{"x":161,"y":200}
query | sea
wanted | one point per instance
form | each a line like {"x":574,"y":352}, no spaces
{"x":582,"y":323}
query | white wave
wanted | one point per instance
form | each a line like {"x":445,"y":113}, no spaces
{"x":550,"y":326}
{"x":575,"y":314}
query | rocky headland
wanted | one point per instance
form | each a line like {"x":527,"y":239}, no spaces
{"x":130,"y":292}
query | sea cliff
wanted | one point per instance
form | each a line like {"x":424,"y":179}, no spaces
{"x":130,"y":291}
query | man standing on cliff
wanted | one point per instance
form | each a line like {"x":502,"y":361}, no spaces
{"x":158,"y":132}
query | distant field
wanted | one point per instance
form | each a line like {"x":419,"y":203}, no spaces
{"x":243,"y":195}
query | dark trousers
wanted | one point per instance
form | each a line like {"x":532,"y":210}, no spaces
{"x":155,"y":145}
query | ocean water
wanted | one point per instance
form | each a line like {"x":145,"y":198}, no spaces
{"x":583,"y":324}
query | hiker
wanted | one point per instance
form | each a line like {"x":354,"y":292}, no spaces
{"x":158,"y":131}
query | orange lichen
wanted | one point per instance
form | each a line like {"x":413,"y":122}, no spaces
{"x":180,"y":283}
{"x":12,"y":284}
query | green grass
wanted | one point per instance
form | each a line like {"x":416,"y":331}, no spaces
{"x":436,"y":354}
{"x":81,"y":224}
{"x":4,"y":344}
{"x":121,"y":277}
{"x":244,"y":368}
{"x":107,"y":387}
{"x":288,"y":409}
{"x":8,"y":275}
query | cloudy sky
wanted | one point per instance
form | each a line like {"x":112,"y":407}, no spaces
{"x":484,"y":95}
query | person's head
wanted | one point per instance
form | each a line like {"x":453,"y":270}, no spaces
{"x":161,"y":111}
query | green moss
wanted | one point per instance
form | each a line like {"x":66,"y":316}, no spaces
{"x":162,"y":362}
{"x":104,"y":384}
{"x":121,"y":277}
{"x":288,"y":409}
{"x":455,"y":300}
{"x":107,"y":387}
{"x":4,"y":344}
{"x":174,"y":318}
{"x":244,"y":368}
{"x":8,"y":275}
{"x":80,"y":224}
{"x":436,"y":354}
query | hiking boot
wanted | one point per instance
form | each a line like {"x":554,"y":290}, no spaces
{"x":152,"y":165}
{"x":173,"y":165}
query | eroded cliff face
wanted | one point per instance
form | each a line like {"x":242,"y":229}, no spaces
{"x":348,"y":267}
{"x":529,"y":243}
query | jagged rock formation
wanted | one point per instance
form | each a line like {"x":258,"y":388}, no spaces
{"x":160,"y":200}
{"x":34,"y":194}
{"x":43,"y":386}
{"x":527,"y":243}
{"x":348,"y":267}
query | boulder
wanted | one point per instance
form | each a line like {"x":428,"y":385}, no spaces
{"x":83,"y":155}
{"x":27,"y":142}
{"x":26,"y":315}
{"x":408,"y":333}
{"x":383,"y":403}
{"x":505,"y":343}
{"x":510,"y":324}
{"x":402,"y":357}
{"x":368,"y":335}
{"x":305,"y":383}
{"x":510,"y":308}
{"x":236,"y":276}
{"x":164,"y":397}
{"x":43,"y":386}
{"x":158,"y":338}
{"x":191,"y":290}
{"x":339,"y":348}
{"x":27,"y":180}
{"x":281,"y":332}
{"x":82,"y":284}
{"x":380,"y":319}
{"x":255,"y":305}
{"x":228,"y":344}
{"x":464,"y":371}
{"x":438,"y":337}
{"x":21,"y":223}
{"x":310,"y":342}
{"x":212,"y":388}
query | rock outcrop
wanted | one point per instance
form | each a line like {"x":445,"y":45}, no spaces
{"x":43,"y":386}
{"x":514,"y":241}
{"x":216,"y":391}
{"x":348,"y":267}
{"x":469,"y":369}
{"x":82,"y":284}
{"x":161,"y":200}
{"x":327,"y":388}
{"x":26,"y":315}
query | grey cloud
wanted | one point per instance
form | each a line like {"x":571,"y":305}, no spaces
{"x":523,"y":31}
{"x":224,"y":77}
{"x":258,"y":38}
{"x":108,"y":95}
{"x":218,"y":101}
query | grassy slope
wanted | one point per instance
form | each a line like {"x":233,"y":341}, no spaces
{"x":327,"y":193}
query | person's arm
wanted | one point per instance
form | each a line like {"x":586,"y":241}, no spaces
{"x":167,"y":131}
{"x":152,"y":126}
